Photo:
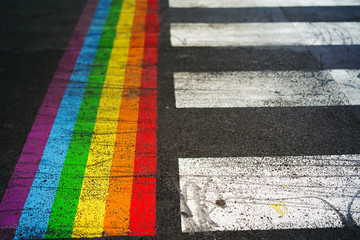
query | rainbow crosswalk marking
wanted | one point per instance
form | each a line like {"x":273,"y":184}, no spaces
{"x":96,"y":175}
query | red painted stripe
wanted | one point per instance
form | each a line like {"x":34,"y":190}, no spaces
{"x":143,"y":202}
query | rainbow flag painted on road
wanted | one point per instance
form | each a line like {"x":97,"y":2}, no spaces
{"x":88,"y":166}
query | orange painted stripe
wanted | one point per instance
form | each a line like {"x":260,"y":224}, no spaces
{"x":143,"y":203}
{"x":118,"y":202}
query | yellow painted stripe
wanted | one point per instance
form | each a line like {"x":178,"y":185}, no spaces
{"x":117,"y":217}
{"x":91,"y":208}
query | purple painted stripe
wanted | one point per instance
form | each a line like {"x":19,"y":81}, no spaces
{"x":25,"y":170}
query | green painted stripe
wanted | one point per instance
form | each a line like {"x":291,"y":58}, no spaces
{"x":68,"y":192}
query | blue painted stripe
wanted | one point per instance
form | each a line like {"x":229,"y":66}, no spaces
{"x":35,"y":216}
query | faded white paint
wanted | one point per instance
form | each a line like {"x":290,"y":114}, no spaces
{"x":349,"y":82}
{"x":259,"y":3}
{"x":264,"y":34}
{"x":269,"y":192}
{"x":265,"y":89}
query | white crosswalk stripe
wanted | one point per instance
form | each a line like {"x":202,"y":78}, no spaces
{"x":265,"y":34}
{"x":258,"y":3}
{"x":246,"y":193}
{"x":266,"y":89}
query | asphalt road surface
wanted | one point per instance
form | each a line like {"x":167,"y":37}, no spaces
{"x":180,"y":119}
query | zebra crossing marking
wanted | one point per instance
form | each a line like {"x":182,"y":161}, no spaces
{"x":266,"y":89}
{"x":349,"y":82}
{"x":265,"y":34}
{"x":267,"y":193}
{"x":257,"y":3}
{"x":272,"y":192}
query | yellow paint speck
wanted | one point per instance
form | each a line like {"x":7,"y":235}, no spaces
{"x":279,"y":207}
